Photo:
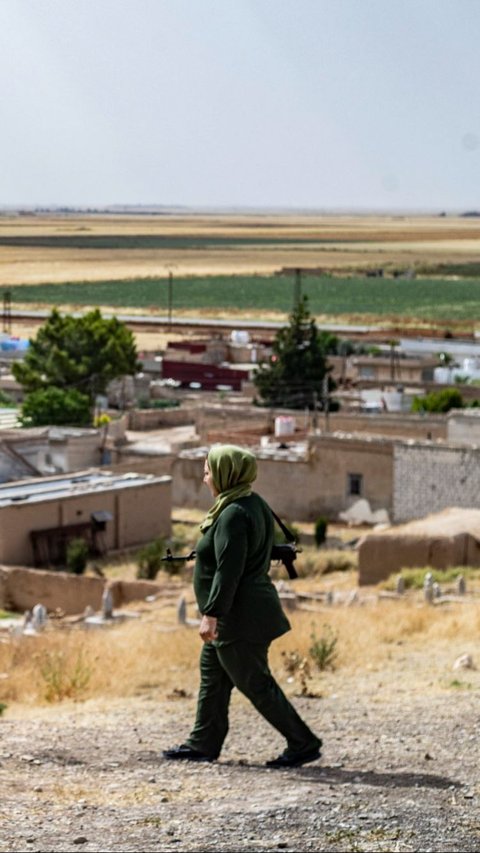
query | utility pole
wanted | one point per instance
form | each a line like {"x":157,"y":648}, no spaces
{"x":297,"y":292}
{"x":170,"y":296}
{"x":326,"y":401}
{"x":297,"y":279}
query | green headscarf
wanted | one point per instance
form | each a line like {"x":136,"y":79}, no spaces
{"x":233,"y":471}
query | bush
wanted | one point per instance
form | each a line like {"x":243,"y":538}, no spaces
{"x":64,"y":677}
{"x":56,"y":406}
{"x":101,"y":420}
{"x":414,"y":578}
{"x":77,"y":556}
{"x":438,"y":401}
{"x":147,"y":403}
{"x":149,"y":560}
{"x":320,"y":533}
{"x":323,"y":649}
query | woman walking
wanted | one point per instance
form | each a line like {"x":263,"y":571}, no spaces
{"x":241,"y":615}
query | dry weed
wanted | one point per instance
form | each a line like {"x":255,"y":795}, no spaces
{"x":154,"y":657}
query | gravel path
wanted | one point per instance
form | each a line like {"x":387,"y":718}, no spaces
{"x":399,"y":772}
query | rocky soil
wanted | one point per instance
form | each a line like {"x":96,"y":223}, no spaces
{"x":399,"y":772}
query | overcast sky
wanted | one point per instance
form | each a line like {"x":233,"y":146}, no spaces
{"x":323,"y":104}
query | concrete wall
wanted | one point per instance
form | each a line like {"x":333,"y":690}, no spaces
{"x":429,"y":478}
{"x":463,"y":427}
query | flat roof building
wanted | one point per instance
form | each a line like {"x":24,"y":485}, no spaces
{"x":38,"y":516}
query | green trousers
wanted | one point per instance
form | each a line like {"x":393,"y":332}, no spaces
{"x":244,"y":666}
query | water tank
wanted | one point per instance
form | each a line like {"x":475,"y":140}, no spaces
{"x":393,"y":400}
{"x":240,"y":336}
{"x":284,"y":425}
{"x":442,"y":375}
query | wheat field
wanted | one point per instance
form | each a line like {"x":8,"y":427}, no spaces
{"x":78,"y":247}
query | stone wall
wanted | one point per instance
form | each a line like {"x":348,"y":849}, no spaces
{"x":428,"y":478}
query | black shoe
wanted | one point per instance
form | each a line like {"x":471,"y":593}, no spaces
{"x":186,"y":752}
{"x":295,"y":759}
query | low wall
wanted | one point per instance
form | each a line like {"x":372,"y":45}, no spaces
{"x":144,"y":419}
{"x":393,"y":424}
{"x":21,"y":589}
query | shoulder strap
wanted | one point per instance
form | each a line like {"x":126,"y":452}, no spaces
{"x":289,"y":536}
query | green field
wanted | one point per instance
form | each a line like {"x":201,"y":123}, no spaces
{"x":423,"y":299}
{"x":131,"y":242}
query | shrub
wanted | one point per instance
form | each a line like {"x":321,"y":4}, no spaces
{"x":101,"y":420}
{"x":320,"y":533}
{"x":77,"y":556}
{"x":414,"y":578}
{"x":438,"y":401}
{"x":149,"y":560}
{"x":323,"y":649}
{"x":59,"y":406}
{"x":64,"y":678}
{"x":147,"y":403}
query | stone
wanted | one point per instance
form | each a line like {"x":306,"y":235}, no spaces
{"x":428,"y":591}
{"x":182,"y":610}
{"x":39,"y":617}
{"x":107,"y":603}
{"x":400,"y":587}
{"x":464,"y":662}
{"x":461,"y":585}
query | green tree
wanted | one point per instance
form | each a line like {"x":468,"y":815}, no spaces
{"x":297,"y":371}
{"x":438,"y":401}
{"x":81,"y":354}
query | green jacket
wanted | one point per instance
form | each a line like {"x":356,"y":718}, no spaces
{"x":231,"y":579}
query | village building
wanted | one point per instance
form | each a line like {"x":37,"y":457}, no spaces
{"x":111,"y":511}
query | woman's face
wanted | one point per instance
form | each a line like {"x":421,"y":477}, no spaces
{"x":208,"y":479}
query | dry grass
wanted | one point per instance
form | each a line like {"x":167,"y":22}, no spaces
{"x":377,"y":240}
{"x":153,"y":657}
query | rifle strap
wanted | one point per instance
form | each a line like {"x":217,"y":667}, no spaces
{"x":289,"y":536}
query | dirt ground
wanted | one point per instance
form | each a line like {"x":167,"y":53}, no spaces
{"x":399,"y":771}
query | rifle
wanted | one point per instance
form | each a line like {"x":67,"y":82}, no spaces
{"x":169,"y":557}
{"x":286,"y":552}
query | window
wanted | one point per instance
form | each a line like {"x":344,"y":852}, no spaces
{"x":366,"y":372}
{"x":354,"y":484}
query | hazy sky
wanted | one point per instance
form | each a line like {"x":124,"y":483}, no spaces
{"x":328,"y":104}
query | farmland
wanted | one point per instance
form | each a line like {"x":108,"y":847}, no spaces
{"x":434,"y":299}
{"x":232,"y":264}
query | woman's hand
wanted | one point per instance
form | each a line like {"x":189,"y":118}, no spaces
{"x":208,"y":629}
